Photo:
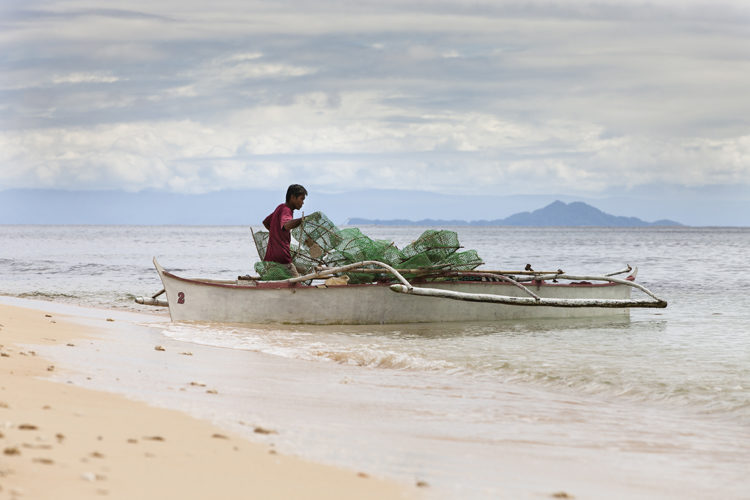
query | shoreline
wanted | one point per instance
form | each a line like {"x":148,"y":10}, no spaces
{"x":68,"y":442}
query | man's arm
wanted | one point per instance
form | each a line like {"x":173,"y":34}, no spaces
{"x":267,"y":222}
{"x":289,"y":225}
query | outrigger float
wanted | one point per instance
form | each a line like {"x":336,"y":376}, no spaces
{"x":431,"y":295}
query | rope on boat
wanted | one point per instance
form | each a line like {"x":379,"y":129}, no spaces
{"x":533,"y":300}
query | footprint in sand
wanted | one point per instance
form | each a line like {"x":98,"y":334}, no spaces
{"x":261,"y":430}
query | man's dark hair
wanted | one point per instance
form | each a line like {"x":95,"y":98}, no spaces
{"x":295,"y":190}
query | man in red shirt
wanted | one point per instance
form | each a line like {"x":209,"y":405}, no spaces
{"x":279,"y":225}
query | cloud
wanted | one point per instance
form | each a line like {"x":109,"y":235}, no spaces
{"x":83,"y":78}
{"x":307,"y":141}
{"x":450,"y":96}
{"x":238,"y":69}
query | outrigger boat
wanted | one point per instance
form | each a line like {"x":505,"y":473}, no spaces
{"x":430,"y":296}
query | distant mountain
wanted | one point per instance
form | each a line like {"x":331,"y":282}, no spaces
{"x":555,"y":214}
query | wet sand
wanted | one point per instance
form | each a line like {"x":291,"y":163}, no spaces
{"x":65,"y":442}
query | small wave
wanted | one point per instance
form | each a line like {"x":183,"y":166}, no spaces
{"x":47,"y":295}
{"x":24,"y":266}
{"x":374,"y":358}
{"x":85,"y":267}
{"x":303,"y":345}
{"x":710,"y":399}
{"x":92,"y":269}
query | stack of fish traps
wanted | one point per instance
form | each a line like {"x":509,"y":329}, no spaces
{"x":319,"y":243}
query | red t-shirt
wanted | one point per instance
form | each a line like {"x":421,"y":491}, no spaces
{"x":279,"y":238}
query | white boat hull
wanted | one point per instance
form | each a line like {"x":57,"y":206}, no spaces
{"x":244,"y":302}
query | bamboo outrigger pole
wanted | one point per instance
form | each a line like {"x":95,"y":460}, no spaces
{"x":526,"y":301}
{"x":533,"y":299}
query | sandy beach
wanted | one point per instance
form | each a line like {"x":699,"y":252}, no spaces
{"x":65,"y":442}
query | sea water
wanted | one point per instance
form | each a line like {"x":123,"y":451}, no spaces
{"x":662,"y":398}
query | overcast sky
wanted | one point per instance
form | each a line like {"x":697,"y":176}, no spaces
{"x":457,"y":97}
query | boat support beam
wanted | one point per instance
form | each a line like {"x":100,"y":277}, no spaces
{"x":525,"y":301}
{"x":532,"y":300}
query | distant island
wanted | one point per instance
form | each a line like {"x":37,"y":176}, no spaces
{"x":555,"y":214}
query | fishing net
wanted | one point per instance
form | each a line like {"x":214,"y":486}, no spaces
{"x":321,"y":243}
{"x":463,"y":261}
{"x":356,"y":247}
{"x":272,"y":271}
{"x":318,"y":234}
{"x":435,"y":245}
{"x":419,"y":261}
{"x":302,"y":260}
{"x":261,"y":242}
